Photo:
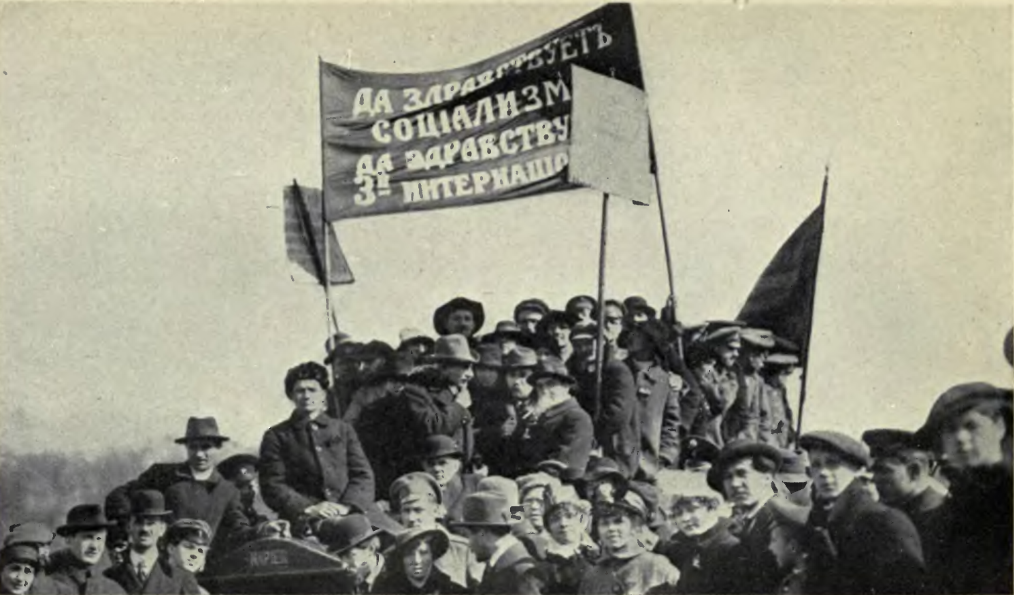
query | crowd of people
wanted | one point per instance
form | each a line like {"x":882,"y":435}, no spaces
{"x":549,"y":457}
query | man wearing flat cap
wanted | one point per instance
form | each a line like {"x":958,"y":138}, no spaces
{"x":902,"y":471}
{"x":745,"y":473}
{"x":435,"y":400}
{"x":143,"y":570}
{"x":863,"y":546}
{"x":581,"y":309}
{"x":75,"y":569}
{"x":658,"y":402}
{"x":195,"y":489}
{"x":969,"y":430}
{"x":528,"y":314}
{"x":713,"y":362}
{"x":562,"y":430}
{"x":460,"y":316}
{"x":241,"y":470}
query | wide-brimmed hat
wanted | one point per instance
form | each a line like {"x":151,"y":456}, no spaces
{"x":551,"y":366}
{"x":738,"y":450}
{"x":239,"y":468}
{"x":506,"y":487}
{"x":31,"y":533}
{"x":439,"y":541}
{"x":458,"y":303}
{"x":413,"y":486}
{"x":342,"y":534}
{"x":485,"y":509}
{"x":148,"y":503}
{"x":194,"y":530}
{"x":84,"y":517}
{"x":439,"y":445}
{"x":956,"y":401}
{"x":845,"y":446}
{"x":636,"y":303}
{"x":533,"y":304}
{"x":452,"y":349}
{"x":202,"y":428}
{"x":23,"y":553}
{"x":795,"y":467}
{"x":412,"y":336}
{"x":520,"y":357}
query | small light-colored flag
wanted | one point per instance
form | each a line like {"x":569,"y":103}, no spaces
{"x":304,"y":239}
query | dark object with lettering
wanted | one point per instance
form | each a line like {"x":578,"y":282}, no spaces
{"x":276,"y":565}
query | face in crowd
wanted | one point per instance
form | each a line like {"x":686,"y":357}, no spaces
{"x":551,"y":390}
{"x":17,"y":577}
{"x":613,"y":323}
{"x":900,"y":476}
{"x":534,"y":502}
{"x":584,"y":312}
{"x":726,"y":355}
{"x":695,"y":515}
{"x":444,"y":469}
{"x":616,"y":530}
{"x":145,"y":531}
{"x":517,"y":383}
{"x":88,"y":546}
{"x":460,"y":322}
{"x":188,"y":555}
{"x":560,"y":334}
{"x":566,"y":524}
{"x":747,"y":481}
{"x":419,"y":513}
{"x":457,"y":374}
{"x":831,"y":473}
{"x":417,"y":559}
{"x":584,"y":348}
{"x":974,"y":438}
{"x":752,"y":359}
{"x":363,"y":555}
{"x":309,"y":397}
{"x":529,"y":320}
{"x":202,"y":454}
{"x":482,"y":540}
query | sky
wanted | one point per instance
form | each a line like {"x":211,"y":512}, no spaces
{"x":146,"y":147}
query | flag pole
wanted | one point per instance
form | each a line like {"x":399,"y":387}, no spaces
{"x":601,"y":347}
{"x":665,"y":244}
{"x":329,"y":315}
{"x":805,"y":360}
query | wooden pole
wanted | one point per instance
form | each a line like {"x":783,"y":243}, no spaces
{"x":668,"y":254}
{"x":805,"y":352}
{"x":600,"y":349}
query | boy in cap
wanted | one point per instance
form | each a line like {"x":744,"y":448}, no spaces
{"x":74,"y":570}
{"x":703,"y":549}
{"x":969,"y":430}
{"x":626,"y":565}
{"x":865,"y":546}
{"x":187,"y":543}
{"x":144,"y":570}
{"x":562,"y":430}
{"x":417,"y":503}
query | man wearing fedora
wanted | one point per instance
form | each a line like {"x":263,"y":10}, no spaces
{"x":510,"y":568}
{"x":75,"y":569}
{"x":442,"y":459}
{"x":625,"y":566}
{"x":460,"y":316}
{"x":860,"y":545}
{"x":144,"y":569}
{"x":562,"y":430}
{"x":745,"y":473}
{"x":658,"y":403}
{"x":194,"y":489}
{"x":312,"y":466}
{"x":435,"y":400}
{"x":969,"y":430}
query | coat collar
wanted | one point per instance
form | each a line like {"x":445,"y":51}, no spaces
{"x":301,"y":421}
{"x":561,"y":408}
{"x":924,"y":501}
{"x":855,"y":496}
{"x":183,"y":471}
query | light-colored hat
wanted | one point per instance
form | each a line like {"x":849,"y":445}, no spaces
{"x":452,"y":349}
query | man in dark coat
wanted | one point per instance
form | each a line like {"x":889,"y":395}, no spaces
{"x":713,"y":362}
{"x":510,"y":569}
{"x":658,"y":408}
{"x":614,"y":415}
{"x":195,"y":489}
{"x":74,"y":570}
{"x":143,"y":570}
{"x":460,"y":316}
{"x":902,"y":474}
{"x":859,"y":544}
{"x":745,"y":473}
{"x":562,"y":431}
{"x":442,"y":459}
{"x":311,"y":465}
{"x":969,"y":429}
{"x":434,"y":401}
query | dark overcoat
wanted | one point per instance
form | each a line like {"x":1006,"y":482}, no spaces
{"x":162,"y":580}
{"x":563,"y":433}
{"x":67,"y":575}
{"x":707,"y":562}
{"x":759,"y":569}
{"x":515,"y":573}
{"x":393,"y":581}
{"x":658,"y":418}
{"x":615,"y":415}
{"x":303,"y":462}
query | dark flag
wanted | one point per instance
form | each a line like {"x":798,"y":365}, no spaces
{"x":782,"y":299}
{"x":304,"y":237}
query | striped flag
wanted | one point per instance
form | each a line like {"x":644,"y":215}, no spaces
{"x":782,"y":299}
{"x":304,"y":240}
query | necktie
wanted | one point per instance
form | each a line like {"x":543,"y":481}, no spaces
{"x":142,"y":571}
